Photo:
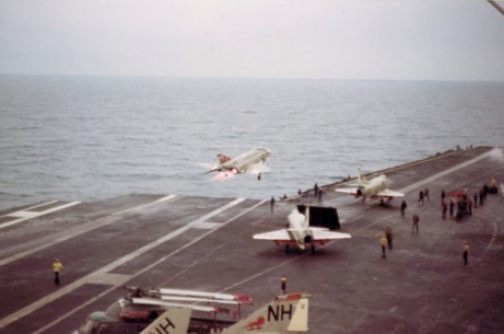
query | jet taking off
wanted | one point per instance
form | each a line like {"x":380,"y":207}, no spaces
{"x":301,"y":234}
{"x":374,"y":188}
{"x":250,"y":162}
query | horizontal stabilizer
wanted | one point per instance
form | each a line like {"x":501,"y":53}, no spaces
{"x":322,"y":234}
{"x":349,"y":190}
{"x":258,"y":168}
{"x":389,"y":193}
{"x":273,"y":235}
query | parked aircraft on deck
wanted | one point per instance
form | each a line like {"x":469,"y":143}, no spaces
{"x":250,"y":162}
{"x":376,"y":188}
{"x":299,"y":232}
{"x":177,"y":311}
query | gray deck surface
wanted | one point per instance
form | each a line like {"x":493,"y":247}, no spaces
{"x":205,"y":244}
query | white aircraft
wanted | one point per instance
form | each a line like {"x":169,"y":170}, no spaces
{"x":175,"y":311}
{"x":285,"y":313}
{"x":300,"y":234}
{"x":374,"y":188}
{"x":250,"y":162}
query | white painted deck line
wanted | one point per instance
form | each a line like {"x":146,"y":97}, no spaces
{"x":40,"y":205}
{"x":30,"y":215}
{"x":19,"y":213}
{"x":206,"y":226}
{"x":167,"y":237}
{"x":141,"y":207}
{"x":147,"y":268}
{"x":112,"y":218}
{"x":22,"y":214}
{"x":91,"y":278}
{"x":422,"y":183}
{"x":109,"y":279}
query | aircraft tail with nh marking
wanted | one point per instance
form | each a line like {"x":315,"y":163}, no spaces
{"x":173,"y":321}
{"x":286,"y":313}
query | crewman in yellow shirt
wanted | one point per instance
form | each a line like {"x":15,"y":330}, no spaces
{"x":57,"y":266}
{"x":384,"y":244}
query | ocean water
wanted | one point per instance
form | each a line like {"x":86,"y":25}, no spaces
{"x":89,"y":138}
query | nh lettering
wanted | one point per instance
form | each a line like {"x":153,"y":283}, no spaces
{"x":279,"y":312}
{"x":163,"y":326}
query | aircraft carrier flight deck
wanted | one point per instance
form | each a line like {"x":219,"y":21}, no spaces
{"x":203,"y":243}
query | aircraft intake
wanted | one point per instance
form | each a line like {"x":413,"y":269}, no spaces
{"x":307,"y":239}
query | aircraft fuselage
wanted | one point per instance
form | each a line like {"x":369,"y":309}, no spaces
{"x":243,"y":161}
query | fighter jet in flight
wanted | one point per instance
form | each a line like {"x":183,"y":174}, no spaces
{"x":250,"y":162}
{"x":376,"y":188}
{"x":301,"y":234}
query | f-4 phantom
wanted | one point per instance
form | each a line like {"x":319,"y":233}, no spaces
{"x":299,"y":233}
{"x":251,"y":162}
{"x":376,"y":188}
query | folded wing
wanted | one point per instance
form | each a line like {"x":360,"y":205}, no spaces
{"x":273,"y":235}
{"x":324,"y":234}
{"x":351,"y":191}
{"x":389,"y":193}
{"x":257,"y":168}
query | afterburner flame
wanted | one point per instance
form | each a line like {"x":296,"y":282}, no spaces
{"x":225,"y":175}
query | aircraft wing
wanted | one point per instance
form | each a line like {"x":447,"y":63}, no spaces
{"x":324,"y":234}
{"x":258,"y":168}
{"x":273,"y":235}
{"x":351,"y":191}
{"x":389,"y":193}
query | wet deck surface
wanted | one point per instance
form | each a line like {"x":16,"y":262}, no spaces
{"x":205,"y":244}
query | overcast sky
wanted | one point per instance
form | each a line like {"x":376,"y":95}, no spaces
{"x":376,"y":39}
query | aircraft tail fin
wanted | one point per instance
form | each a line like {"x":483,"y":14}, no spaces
{"x":222,"y":158}
{"x":297,"y":219}
{"x":361,"y":179}
{"x":173,"y":321}
{"x":286,"y":313}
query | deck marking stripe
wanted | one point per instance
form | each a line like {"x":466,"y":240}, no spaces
{"x":152,"y":265}
{"x":448,"y":171}
{"x":167,"y":237}
{"x":297,"y":257}
{"x":13,"y":214}
{"x":110,"y":219}
{"x":31,"y":215}
{"x":92,"y":276}
{"x":421,"y":183}
{"x":39,"y":205}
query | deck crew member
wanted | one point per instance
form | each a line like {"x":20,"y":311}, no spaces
{"x":57,"y":266}
{"x":283,"y":284}
{"x":465,"y":254}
